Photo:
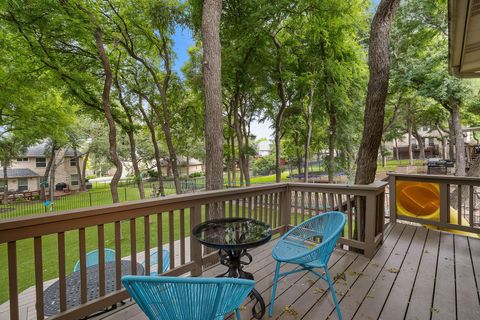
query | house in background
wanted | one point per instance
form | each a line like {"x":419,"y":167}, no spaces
{"x":436,"y":144}
{"x":26,"y":172}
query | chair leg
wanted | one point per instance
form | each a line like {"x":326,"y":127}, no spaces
{"x":334,"y":296}
{"x":274,"y":289}
{"x":237,"y":313}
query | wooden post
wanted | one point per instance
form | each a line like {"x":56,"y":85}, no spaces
{"x":392,"y":190}
{"x":195,"y":246}
{"x":370,"y":224}
{"x":444,"y":203}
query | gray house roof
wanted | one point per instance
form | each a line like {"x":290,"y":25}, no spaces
{"x":38,"y":150}
{"x":19,"y":173}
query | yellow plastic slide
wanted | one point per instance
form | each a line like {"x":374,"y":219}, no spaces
{"x":422,"y":200}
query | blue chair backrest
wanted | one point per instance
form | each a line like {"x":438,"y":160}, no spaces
{"x":329,"y":226}
{"x":154,"y":260}
{"x":187,"y":298}
{"x":93,"y":256}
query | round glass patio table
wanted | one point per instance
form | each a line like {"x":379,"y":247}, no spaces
{"x":233,"y":237}
{"x":52,"y":293}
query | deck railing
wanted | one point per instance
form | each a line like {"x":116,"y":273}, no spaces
{"x":136,"y":227}
{"x":457,"y":200}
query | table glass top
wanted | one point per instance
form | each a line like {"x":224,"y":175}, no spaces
{"x":232,"y":233}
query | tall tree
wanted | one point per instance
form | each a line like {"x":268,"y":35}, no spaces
{"x":211,"y":14}
{"x":378,"y":63}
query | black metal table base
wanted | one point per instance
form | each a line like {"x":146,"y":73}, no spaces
{"x":233,"y":260}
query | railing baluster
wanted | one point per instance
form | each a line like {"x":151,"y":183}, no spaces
{"x":270,"y":208}
{"x":250,"y":207}
{"x":61,"y":271}
{"x":349,"y":216}
{"x":309,"y":205}
{"x":146,"y":232}
{"x":133,"y":246}
{"x":171,"y":239}
{"x":237,"y":208}
{"x":459,"y":212}
{"x":302,"y":203}
{"x":118,"y":255}
{"x":195,"y":246}
{"x":101,"y":259}
{"x":255,"y":207}
{"x":230,"y":208}
{"x":296,"y":208}
{"x":277,"y":209}
{"x":160,"y":241}
{"x":470,"y":204}
{"x":83,"y":265}
{"x":340,"y":203}
{"x":324,"y":200}
{"x":12,"y":279}
{"x":37,"y":244}
{"x":182,"y":236}
{"x":317,"y":203}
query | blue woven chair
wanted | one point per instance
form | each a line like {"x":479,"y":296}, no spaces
{"x":154,"y":261}
{"x":309,"y":245}
{"x":185,"y":298}
{"x":92,"y":258}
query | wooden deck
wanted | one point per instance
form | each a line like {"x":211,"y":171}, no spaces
{"x":417,"y":274}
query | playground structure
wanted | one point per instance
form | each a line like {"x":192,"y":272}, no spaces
{"x":422,"y":200}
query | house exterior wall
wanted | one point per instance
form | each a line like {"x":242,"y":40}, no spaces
{"x":33,"y":184}
{"x":63,"y":172}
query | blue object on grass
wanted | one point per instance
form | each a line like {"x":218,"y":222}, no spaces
{"x":185,"y":298}
{"x":300,"y":246}
{"x":93,"y":257}
{"x":154,"y":261}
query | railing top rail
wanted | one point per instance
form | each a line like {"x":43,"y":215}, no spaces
{"x":435,"y":178}
{"x":142,"y":206}
{"x":377,"y":185}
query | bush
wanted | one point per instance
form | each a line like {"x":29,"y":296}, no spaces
{"x":152,"y":174}
{"x":92,"y":176}
{"x":265,"y":165}
{"x":196,"y":174}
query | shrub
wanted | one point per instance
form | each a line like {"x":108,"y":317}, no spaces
{"x":265,"y":165}
{"x":196,"y":174}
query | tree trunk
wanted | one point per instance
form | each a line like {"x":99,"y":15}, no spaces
{"x":378,"y":62}
{"x":451,"y":138}
{"x":410,"y":130}
{"x":459,"y":141}
{"x":421,"y":144}
{"x":81,"y":177}
{"x":5,"y":180}
{"x":133,"y":157}
{"x":283,"y":105}
{"x":298,"y":153}
{"x":84,"y":164}
{"x":233,"y":163}
{"x":332,"y":134}
{"x":47,"y":172}
{"x":397,"y":153}
{"x":309,"y":134}
{"x":112,"y":130}
{"x":212,"y":56}
{"x":156,"y":149}
{"x":383,"y":152}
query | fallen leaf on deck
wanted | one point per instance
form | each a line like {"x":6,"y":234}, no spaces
{"x":318,"y":290}
{"x":288,"y":309}
{"x":393,"y":270}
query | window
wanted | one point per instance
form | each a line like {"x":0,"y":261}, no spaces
{"x":41,"y":162}
{"x":22,"y":184}
{"x":73,"y":162}
{"x":22,"y":159}
{"x":431,"y":141}
{"x":74,"y":179}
